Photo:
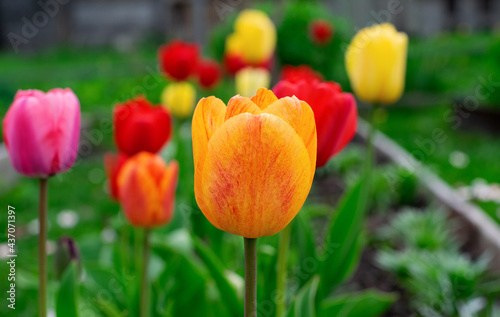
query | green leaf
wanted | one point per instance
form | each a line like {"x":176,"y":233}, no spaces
{"x":303,"y":236}
{"x":351,"y":260}
{"x":370,"y":303}
{"x":108,"y":308}
{"x":67,"y":297}
{"x":304,"y":302}
{"x":342,"y":247}
{"x":181,"y":270}
{"x":216,"y":269}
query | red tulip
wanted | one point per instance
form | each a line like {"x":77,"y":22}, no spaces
{"x":208,"y":73}
{"x":295,"y":74}
{"x":178,"y":59}
{"x":235,"y":63}
{"x":41,"y":131}
{"x":113,"y":163}
{"x":140,"y":126}
{"x":321,"y":31}
{"x":335,"y":113}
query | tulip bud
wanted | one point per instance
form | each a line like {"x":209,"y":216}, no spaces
{"x":208,"y":74}
{"x":41,"y":131}
{"x":254,"y":161}
{"x":376,"y":63}
{"x":140,"y":126}
{"x":321,"y":31}
{"x":66,"y":252}
{"x":250,"y":79}
{"x":295,"y":74}
{"x":178,"y":60}
{"x":254,"y":37}
{"x":179,"y":98}
{"x":146,"y":188}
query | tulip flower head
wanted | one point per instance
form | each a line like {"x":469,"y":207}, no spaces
{"x":250,"y":79}
{"x":66,"y":252}
{"x":146,"y":187}
{"x":376,"y":63}
{"x":113,"y":164}
{"x":335,"y":113}
{"x":41,"y":131}
{"x":254,"y":161}
{"x":178,"y":60}
{"x":321,"y":31}
{"x":179,"y":98}
{"x":209,"y":74}
{"x":140,"y":126}
{"x":253,"y":41}
{"x":295,"y":74}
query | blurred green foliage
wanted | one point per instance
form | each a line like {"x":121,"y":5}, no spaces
{"x":295,"y":46}
{"x":424,"y":256}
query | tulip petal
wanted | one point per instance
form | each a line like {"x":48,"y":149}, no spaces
{"x":24,"y":143}
{"x":208,"y":116}
{"x":66,"y":136}
{"x":253,"y":182}
{"x":167,"y":190}
{"x":300,"y":116}
{"x":238,"y":105}
{"x":263,"y":98}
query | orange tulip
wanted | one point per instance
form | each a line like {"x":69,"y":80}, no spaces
{"x":254,"y":161}
{"x":146,"y":187}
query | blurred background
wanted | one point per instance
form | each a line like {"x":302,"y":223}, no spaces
{"x":126,"y":23}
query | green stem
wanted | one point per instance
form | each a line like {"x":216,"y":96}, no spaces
{"x":250,"y":277}
{"x":42,"y":253}
{"x":370,"y":158}
{"x":138,"y":237}
{"x":370,"y":152}
{"x":144,"y":276}
{"x":282,"y":270}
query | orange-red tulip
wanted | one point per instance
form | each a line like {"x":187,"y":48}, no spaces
{"x":254,"y":161}
{"x":146,"y":187}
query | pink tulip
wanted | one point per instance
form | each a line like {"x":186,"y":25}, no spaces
{"x":41,"y":131}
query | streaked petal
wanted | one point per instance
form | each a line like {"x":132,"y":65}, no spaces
{"x":263,"y":98}
{"x":207,"y":118}
{"x":253,"y":182}
{"x":238,"y":105}
{"x":300,"y":116}
{"x":167,"y":190}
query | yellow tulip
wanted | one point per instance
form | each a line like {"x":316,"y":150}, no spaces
{"x":254,"y":161}
{"x":250,"y":79}
{"x":179,"y":98}
{"x":254,"y":37}
{"x":376,"y":63}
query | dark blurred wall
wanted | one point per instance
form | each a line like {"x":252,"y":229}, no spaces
{"x":32,"y":24}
